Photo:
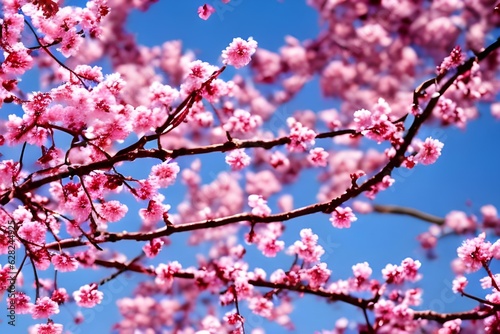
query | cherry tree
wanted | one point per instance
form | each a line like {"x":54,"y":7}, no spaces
{"x":123,"y":162}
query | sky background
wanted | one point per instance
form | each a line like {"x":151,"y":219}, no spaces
{"x":464,"y":178}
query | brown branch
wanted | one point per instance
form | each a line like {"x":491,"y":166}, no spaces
{"x":401,"y":210}
{"x":364,"y":304}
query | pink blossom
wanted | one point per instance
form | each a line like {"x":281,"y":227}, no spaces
{"x":318,"y":157}
{"x":494,"y":297}
{"x":475,"y":253}
{"x":455,"y":59}
{"x":33,"y":231}
{"x":490,"y":215}
{"x":88,"y":296}
{"x":242,"y":121}
{"x":300,"y":136}
{"x":205,"y":11}
{"x":153,"y":247}
{"x":317,"y":275}
{"x":146,"y":189}
{"x":362,"y":271}
{"x":164,"y":174}
{"x":307,"y":248}
{"x":60,"y":296}
{"x":242,"y":287}
{"x":112,"y":211}
{"x":162,"y":94}
{"x":270,"y":246}
{"x":18,"y":60}
{"x":261,"y":306}
{"x":41,"y":258}
{"x":342,"y":217}
{"x":8,"y":172}
{"x":165,"y":273}
{"x":48,"y":328}
{"x":21,"y":302}
{"x":362,"y":207}
{"x":238,"y":159}
{"x":362,"y":119}
{"x":233,"y":318}
{"x":429,"y":152}
{"x":393,"y":274}
{"x":259,"y":206}
{"x":410,"y":268}
{"x":239,"y":52}
{"x":64,"y":263}
{"x":279,"y":161}
{"x":44,"y":308}
{"x":459,"y":222}
{"x":413,"y":297}
{"x":487,"y":281}
{"x":451,"y":327}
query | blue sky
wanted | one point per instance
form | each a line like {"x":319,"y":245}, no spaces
{"x":467,"y":172}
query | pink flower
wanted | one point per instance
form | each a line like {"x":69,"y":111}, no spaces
{"x":165,"y":273}
{"x":318,"y":157}
{"x":317,"y":275}
{"x":307,"y":248}
{"x":429,"y":152}
{"x":343,"y":217}
{"x":279,"y":161}
{"x":451,"y":327}
{"x":259,"y":206}
{"x":410,"y":268}
{"x":21,"y":302}
{"x":205,"y":11}
{"x":459,"y":222}
{"x":233,"y":318}
{"x":490,"y":215}
{"x":153,"y":247}
{"x":48,"y":328}
{"x":393,"y":274}
{"x":60,"y":296}
{"x":33,"y":232}
{"x":112,"y":211}
{"x":64,"y":263}
{"x":238,"y":159}
{"x":242,"y":287}
{"x":239,"y":52}
{"x":260,"y":306}
{"x":455,"y":59}
{"x":44,"y":308}
{"x":362,"y":271}
{"x":475,"y":252}
{"x":164,"y":174}
{"x":242,"y":121}
{"x":362,"y":119}
{"x":88,"y":296}
{"x":300,"y":136}
{"x":270,"y":246}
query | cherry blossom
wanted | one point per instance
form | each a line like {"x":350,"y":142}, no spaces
{"x":475,"y":253}
{"x":429,"y":152}
{"x":239,"y":52}
{"x":165,"y":273}
{"x":238,"y":159}
{"x":164,"y":174}
{"x":44,"y":308}
{"x":88,"y":296}
{"x":205,"y":11}
{"x":98,"y":123}
{"x":343,"y":217}
{"x":64,"y":262}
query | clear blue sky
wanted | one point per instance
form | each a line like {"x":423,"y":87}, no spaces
{"x":467,"y":171}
